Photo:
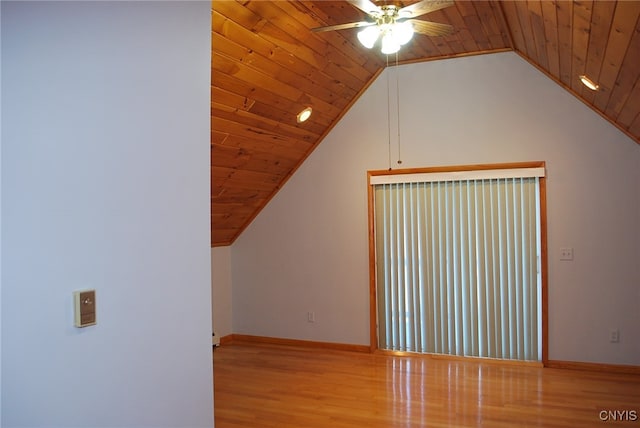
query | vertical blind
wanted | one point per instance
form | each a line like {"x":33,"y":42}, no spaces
{"x":457,"y":266}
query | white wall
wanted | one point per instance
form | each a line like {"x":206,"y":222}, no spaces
{"x":105,"y":185}
{"x":307,"y":250}
{"x":221,"y":292}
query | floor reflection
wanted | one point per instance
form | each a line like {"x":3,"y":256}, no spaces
{"x":457,"y":392}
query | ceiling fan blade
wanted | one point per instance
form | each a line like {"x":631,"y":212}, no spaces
{"x":343,"y":26}
{"x":366,"y":6}
{"x":423,"y":7}
{"x":431,"y":28}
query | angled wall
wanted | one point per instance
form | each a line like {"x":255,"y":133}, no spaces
{"x":307,"y":250}
{"x":105,"y":185}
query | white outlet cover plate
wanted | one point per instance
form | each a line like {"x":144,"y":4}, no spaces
{"x":566,"y":253}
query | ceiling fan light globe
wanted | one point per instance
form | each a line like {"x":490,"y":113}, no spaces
{"x":368,"y":36}
{"x":403,"y":32}
{"x":389,"y":44}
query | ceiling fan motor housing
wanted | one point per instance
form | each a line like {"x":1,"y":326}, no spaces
{"x":388,"y":16}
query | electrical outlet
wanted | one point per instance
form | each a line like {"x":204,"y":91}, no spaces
{"x":566,"y":254}
{"x":614,"y":335}
{"x":311,"y":317}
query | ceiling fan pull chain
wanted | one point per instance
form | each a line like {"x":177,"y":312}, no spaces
{"x":388,"y":113}
{"x":398,"y":106}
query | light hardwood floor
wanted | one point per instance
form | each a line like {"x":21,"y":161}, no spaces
{"x":282,"y":386}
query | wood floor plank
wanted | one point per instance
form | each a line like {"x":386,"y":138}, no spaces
{"x":260,"y":385}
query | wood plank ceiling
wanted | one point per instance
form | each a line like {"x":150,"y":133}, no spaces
{"x":267,"y":66}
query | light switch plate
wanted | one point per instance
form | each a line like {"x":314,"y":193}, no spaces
{"x":84,"y":305}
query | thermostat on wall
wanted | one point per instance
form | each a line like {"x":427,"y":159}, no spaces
{"x":84,"y":305}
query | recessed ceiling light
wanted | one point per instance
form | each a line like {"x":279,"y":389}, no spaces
{"x":589,"y":83}
{"x":304,"y":114}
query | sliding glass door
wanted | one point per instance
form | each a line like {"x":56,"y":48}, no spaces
{"x":458,"y":262}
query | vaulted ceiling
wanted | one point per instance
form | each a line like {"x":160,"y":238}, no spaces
{"x":267,"y":65}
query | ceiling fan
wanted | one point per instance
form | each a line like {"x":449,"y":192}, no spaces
{"x":392,"y":25}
